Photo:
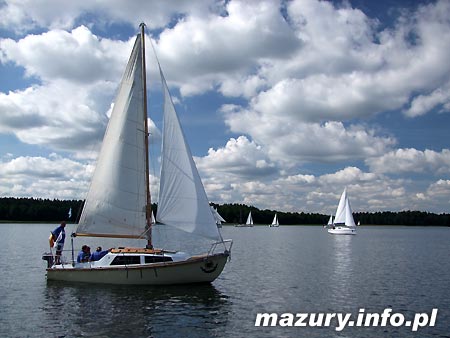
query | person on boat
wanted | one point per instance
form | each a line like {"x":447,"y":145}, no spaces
{"x":59,"y":235}
{"x":98,"y":254}
{"x":84,"y":254}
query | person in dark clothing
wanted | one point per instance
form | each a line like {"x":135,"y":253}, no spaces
{"x":84,"y":254}
{"x":98,"y":254}
{"x":59,"y":236}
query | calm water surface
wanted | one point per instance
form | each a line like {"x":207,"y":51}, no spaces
{"x":287,"y":269}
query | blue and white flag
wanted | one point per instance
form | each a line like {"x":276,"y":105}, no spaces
{"x":59,"y":238}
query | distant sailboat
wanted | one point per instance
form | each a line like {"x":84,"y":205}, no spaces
{"x":330,"y":222}
{"x":275,"y":223}
{"x":248,"y":223}
{"x":344,"y":223}
{"x":118,"y":202}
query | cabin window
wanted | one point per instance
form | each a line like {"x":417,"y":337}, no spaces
{"x":126,"y":260}
{"x":157,"y":259}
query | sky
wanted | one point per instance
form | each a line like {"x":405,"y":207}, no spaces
{"x":284,"y":103}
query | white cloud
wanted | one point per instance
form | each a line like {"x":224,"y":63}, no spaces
{"x":59,"y":116}
{"x":28,"y":14}
{"x":411,"y":160}
{"x":423,"y":104}
{"x":303,"y":77}
{"x":77,"y":56}
{"x":240,"y":157}
{"x":53,"y":177}
{"x":200,"y":53}
{"x":288,"y":140}
{"x":440,"y":189}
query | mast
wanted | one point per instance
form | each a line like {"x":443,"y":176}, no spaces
{"x":148,"y":207}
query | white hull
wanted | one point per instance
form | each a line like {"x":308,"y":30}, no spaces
{"x":342,"y":231}
{"x":199,"y":269}
{"x":273,"y":225}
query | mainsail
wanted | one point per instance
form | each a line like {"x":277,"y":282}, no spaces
{"x":182,"y":199}
{"x":275,"y":220}
{"x":116,"y":201}
{"x":249,"y":219}
{"x":340,"y":211}
{"x":344,"y":211}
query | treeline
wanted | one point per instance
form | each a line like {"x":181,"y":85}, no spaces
{"x":237,"y":213}
{"x":46,"y":210}
{"x":402,"y":218}
{"x":39,"y":210}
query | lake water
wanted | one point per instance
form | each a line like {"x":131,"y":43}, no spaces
{"x":296,"y":269}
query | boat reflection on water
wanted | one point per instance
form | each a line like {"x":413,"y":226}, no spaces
{"x":342,"y":262}
{"x":89,"y":310}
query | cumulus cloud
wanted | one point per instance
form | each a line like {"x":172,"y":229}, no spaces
{"x":78,"y":56}
{"x":306,"y":79}
{"x":422,"y":104}
{"x":200,"y":53}
{"x":411,"y":160}
{"x":28,"y":14}
{"x":53,"y":177}
{"x":240,"y":157}
{"x":288,"y":140}
{"x":58,"y":116}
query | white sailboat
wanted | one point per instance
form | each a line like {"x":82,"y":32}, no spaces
{"x":330,"y":222}
{"x":275,"y":223}
{"x":248,"y":223}
{"x":344,"y":223}
{"x":118,"y":204}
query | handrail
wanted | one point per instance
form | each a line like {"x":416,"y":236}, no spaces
{"x":215,"y":244}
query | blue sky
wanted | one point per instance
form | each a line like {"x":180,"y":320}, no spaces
{"x":284,"y":103}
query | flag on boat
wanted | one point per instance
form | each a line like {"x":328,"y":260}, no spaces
{"x":59,"y":238}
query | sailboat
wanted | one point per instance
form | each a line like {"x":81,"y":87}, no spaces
{"x":248,"y":223}
{"x":275,"y":223}
{"x":344,"y":223}
{"x":118,"y":203}
{"x":330,"y":222}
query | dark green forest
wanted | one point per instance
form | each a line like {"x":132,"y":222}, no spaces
{"x":47,"y":210}
{"x":237,"y":213}
{"x":39,"y":210}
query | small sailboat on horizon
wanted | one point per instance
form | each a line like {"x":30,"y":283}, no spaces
{"x":118,"y":203}
{"x":343,"y":223}
{"x":275,"y":223}
{"x":248,"y":222}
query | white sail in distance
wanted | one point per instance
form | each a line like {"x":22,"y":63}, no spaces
{"x":275,"y":220}
{"x":249,"y":219}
